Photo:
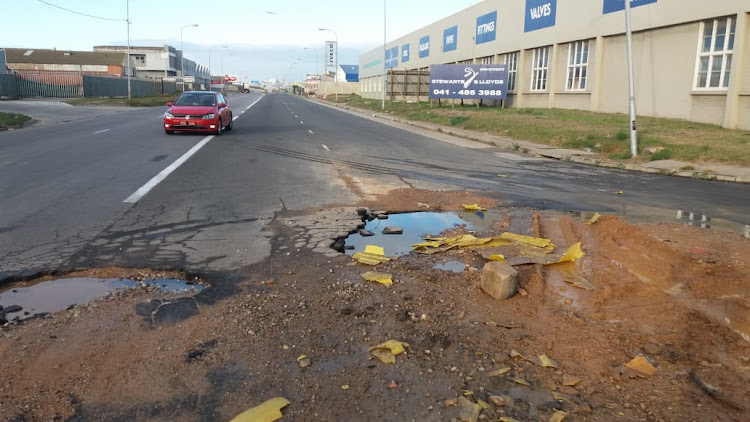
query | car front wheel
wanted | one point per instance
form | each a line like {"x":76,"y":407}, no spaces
{"x":231,"y":122}
{"x":169,"y":132}
{"x":218,"y":128}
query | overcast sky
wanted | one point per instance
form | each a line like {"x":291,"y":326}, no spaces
{"x":261,"y":44}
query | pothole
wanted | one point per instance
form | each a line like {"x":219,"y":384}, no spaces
{"x":411,"y":228}
{"x":36,"y":298}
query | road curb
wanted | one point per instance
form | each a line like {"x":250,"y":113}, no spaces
{"x":537,"y":150}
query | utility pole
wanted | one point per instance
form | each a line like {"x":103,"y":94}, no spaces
{"x":631,"y":83}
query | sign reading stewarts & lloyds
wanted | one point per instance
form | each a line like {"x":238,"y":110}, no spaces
{"x":477,"y":81}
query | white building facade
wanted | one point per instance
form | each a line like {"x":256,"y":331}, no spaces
{"x":691,"y":58}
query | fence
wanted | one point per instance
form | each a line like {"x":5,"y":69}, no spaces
{"x":408,"y":85}
{"x":77,"y":85}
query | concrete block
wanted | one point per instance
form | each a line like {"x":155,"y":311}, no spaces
{"x":499,"y":280}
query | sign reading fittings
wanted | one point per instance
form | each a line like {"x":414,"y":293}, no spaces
{"x":471,"y":82}
{"x":611,"y":6}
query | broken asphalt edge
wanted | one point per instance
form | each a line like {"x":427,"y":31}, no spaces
{"x":538,"y":150}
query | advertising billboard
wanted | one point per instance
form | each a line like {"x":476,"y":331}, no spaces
{"x":611,"y":6}
{"x":486,"y":28}
{"x":424,"y":47}
{"x":540,"y":14}
{"x":391,"y":57}
{"x":474,"y":81}
{"x":331,"y":53}
{"x":450,"y":38}
{"x":404,"y":53}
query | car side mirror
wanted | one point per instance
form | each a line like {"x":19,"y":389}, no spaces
{"x":169,"y":104}
{"x":223,"y":105}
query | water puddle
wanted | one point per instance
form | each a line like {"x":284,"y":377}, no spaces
{"x":451,"y":266}
{"x":36,"y":298}
{"x":416,"y":226}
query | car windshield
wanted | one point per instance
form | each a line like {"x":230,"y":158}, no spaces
{"x":196,"y":100}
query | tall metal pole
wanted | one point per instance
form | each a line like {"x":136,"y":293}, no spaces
{"x":631,"y":84}
{"x":385,"y":77}
{"x":336,"y":75}
{"x":127,"y":18}
{"x":182,"y":55}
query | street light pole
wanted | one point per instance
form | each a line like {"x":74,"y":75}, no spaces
{"x":182,"y":54}
{"x":127,"y":19}
{"x":336,"y":73}
{"x":385,"y":73}
{"x":631,"y":83}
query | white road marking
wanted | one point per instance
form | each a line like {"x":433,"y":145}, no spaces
{"x":311,"y":132}
{"x":235,"y":118}
{"x":143,"y":190}
{"x":101,"y":131}
{"x":296,"y":117}
{"x":301,"y":122}
{"x":325,"y":147}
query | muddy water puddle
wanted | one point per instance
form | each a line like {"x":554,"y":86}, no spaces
{"x":451,"y":266}
{"x":417,"y":225}
{"x":44,"y":297}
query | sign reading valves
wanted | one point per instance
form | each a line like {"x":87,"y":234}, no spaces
{"x":424,"y":47}
{"x":611,"y":6}
{"x":450,"y":38}
{"x":540,"y":14}
{"x":486,"y":28}
{"x":479,"y":81}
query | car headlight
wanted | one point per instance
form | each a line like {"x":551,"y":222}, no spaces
{"x":168,"y":115}
{"x":209,"y":116}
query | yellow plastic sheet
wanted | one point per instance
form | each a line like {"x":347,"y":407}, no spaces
{"x":522,"y":382}
{"x":558,"y":416}
{"x":269,"y":411}
{"x":382,"y":278}
{"x":547,"y":362}
{"x":388,"y":351}
{"x":574,"y":252}
{"x":534,"y":241}
{"x":500,"y":371}
{"x":498,"y":258}
{"x":473,"y":208}
{"x":433,"y":245}
{"x":373,"y":255}
{"x":594,"y":218}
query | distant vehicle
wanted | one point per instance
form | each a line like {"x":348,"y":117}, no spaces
{"x":198,"y":111}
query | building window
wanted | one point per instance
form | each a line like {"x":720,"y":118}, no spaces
{"x":540,"y":69}
{"x":715,"y":53}
{"x":139,"y":58}
{"x":465,"y":61}
{"x":487,"y":60}
{"x":578,"y":63}
{"x":511,"y":59}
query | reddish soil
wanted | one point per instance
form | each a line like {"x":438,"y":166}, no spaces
{"x":664,"y":292}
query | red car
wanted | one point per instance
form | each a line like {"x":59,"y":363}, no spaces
{"x":198,"y":111}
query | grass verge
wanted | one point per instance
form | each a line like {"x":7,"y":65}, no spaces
{"x":12,"y":120}
{"x":606,"y":134}
{"x":153,"y":101}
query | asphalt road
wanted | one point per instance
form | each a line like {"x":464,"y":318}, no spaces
{"x":63,"y":183}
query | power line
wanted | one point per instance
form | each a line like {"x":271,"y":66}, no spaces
{"x":80,"y":13}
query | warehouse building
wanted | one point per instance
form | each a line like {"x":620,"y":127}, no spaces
{"x":691,"y":58}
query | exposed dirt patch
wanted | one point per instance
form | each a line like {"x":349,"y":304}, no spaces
{"x":399,"y":200}
{"x":104,"y":361}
